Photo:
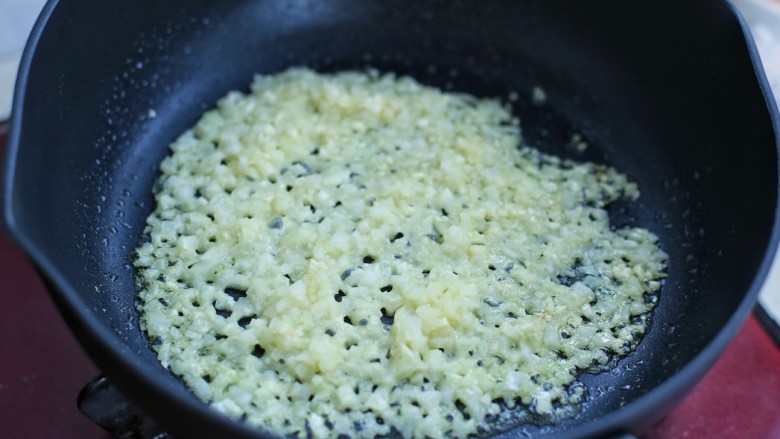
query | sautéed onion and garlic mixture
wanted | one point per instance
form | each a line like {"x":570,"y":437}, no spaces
{"x":359,"y":254}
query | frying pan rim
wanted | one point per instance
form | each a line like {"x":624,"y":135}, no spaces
{"x":105,"y":339}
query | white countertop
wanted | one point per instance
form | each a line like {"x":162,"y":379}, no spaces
{"x":16,"y":20}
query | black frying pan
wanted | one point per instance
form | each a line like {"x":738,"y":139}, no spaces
{"x":665,"y":91}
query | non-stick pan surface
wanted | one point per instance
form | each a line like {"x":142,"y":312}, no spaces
{"x":664,"y":91}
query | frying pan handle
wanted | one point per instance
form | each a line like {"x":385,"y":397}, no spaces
{"x":104,"y":404}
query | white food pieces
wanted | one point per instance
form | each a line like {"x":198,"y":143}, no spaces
{"x":358,"y":254}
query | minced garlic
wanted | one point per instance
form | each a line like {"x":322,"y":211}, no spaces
{"x":360,"y":254}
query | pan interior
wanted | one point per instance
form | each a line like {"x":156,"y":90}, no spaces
{"x":679,"y":112}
